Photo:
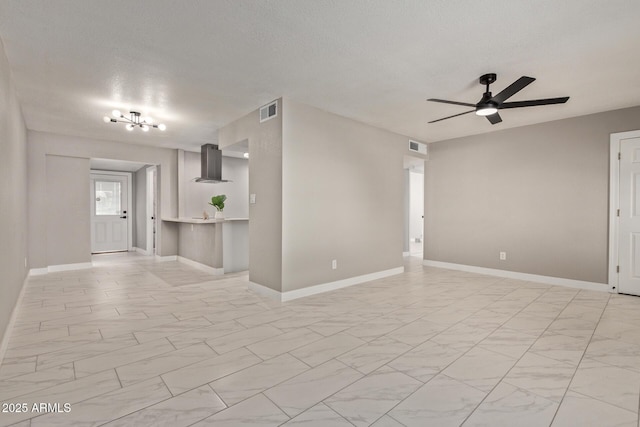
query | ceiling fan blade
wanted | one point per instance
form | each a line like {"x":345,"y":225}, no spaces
{"x":534,"y":102}
{"x":494,"y":118}
{"x":444,"y":101}
{"x":512,"y":89}
{"x":450,"y":117}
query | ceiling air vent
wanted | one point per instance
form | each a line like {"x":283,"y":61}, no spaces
{"x":417,"y":147}
{"x":269,"y":111}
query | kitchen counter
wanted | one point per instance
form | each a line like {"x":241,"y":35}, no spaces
{"x":219,"y":245}
{"x":202,"y":220}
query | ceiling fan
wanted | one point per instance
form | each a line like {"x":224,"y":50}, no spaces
{"x":489,"y":105}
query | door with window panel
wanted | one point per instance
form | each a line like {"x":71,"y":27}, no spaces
{"x":109,"y":213}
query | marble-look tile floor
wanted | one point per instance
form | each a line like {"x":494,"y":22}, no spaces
{"x":136,"y":342}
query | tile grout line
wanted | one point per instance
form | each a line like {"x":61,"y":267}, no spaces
{"x":475,"y":345}
{"x":520,"y":358}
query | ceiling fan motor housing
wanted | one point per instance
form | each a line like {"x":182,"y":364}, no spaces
{"x":487,"y":79}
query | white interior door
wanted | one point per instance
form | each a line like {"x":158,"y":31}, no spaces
{"x":629,"y":221}
{"x":109,"y":213}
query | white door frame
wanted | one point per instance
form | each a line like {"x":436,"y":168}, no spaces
{"x":129,"y":201}
{"x":614,"y":202}
{"x":150,"y":212}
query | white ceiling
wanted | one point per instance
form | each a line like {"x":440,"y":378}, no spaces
{"x":197,"y":65}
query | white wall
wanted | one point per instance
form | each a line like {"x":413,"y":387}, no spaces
{"x":13,"y":197}
{"x":45,"y":233}
{"x":198,"y":194}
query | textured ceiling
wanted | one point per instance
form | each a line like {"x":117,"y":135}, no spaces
{"x":198,"y":65}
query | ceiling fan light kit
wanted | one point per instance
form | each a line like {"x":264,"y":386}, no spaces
{"x":489,"y":105}
{"x":134,"y":120}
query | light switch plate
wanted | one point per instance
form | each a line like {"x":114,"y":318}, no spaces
{"x":252,"y":198}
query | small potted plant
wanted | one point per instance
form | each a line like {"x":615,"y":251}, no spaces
{"x":218,"y":203}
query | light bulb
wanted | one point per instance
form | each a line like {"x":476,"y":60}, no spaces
{"x":116,"y":113}
{"x":106,"y":119}
{"x":129,"y":127}
{"x":246,"y":155}
{"x":162,"y":127}
{"x":145,"y":128}
{"x":486,"y":111}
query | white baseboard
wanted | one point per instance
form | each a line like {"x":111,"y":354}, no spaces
{"x":549,"y":280}
{"x":12,"y":320}
{"x":323,"y":287}
{"x":166,"y":258}
{"x":60,"y":267}
{"x":38,"y":271}
{"x":265,"y":291}
{"x":208,"y":269}
{"x":141,"y":251}
{"x":69,"y":267}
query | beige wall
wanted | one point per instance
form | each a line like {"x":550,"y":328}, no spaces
{"x":343,"y":197}
{"x":13,"y":196}
{"x":43,"y":181}
{"x":68,"y":210}
{"x":326,"y":187}
{"x":265,"y":181}
{"x":538,"y":192}
{"x":201,"y":243}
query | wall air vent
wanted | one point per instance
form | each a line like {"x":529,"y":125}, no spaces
{"x":269,"y":111}
{"x":418,"y":147}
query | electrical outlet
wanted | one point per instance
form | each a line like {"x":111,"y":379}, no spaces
{"x":503,"y":256}
{"x":334,"y":264}
{"x":252,"y":198}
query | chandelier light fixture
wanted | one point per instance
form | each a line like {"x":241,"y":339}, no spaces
{"x":134,"y":120}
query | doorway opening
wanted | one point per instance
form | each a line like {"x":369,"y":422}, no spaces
{"x":123,"y":206}
{"x":414,"y":206}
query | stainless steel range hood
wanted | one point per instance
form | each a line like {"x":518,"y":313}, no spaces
{"x":211,"y":164}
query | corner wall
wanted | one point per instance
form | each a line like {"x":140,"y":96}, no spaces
{"x":13,"y":198}
{"x":343,"y":197}
{"x":265,"y":181}
{"x":539,"y":193}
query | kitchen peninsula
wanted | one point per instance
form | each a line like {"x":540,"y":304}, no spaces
{"x":217,"y":245}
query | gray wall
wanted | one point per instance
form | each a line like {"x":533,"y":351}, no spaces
{"x":538,"y":192}
{"x":201,"y":243}
{"x":41,"y":182}
{"x":67,"y":215}
{"x":13,"y":196}
{"x":265,"y":180}
{"x":198,"y":194}
{"x":343,"y":197}
{"x":140,"y":212}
